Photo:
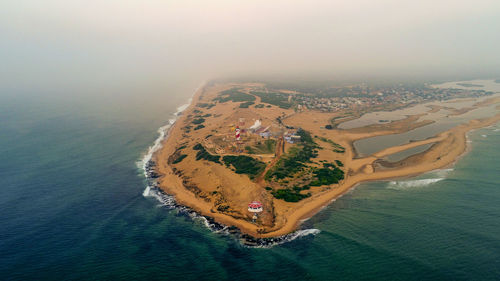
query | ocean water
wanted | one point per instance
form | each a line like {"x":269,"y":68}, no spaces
{"x":72,"y":208}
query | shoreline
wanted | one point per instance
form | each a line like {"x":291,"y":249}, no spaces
{"x":153,"y":189}
{"x":303,"y":211}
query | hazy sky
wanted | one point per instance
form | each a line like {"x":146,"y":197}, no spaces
{"x":59,"y":45}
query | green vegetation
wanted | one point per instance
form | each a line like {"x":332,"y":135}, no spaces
{"x":233,"y":95}
{"x":260,"y":105}
{"x":206,"y":105}
{"x":245,"y":165}
{"x":336,"y":147}
{"x":199,"y":127}
{"x":205,"y":155}
{"x":327,"y":175}
{"x":246,"y":104}
{"x":295,"y":161}
{"x":198,"y":121}
{"x":277,"y":99}
{"x":266,"y":147}
{"x":179,"y":158}
{"x":290,"y":195}
{"x":339,"y":163}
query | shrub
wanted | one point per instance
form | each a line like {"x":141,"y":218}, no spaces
{"x":199,"y":127}
{"x":179,"y":159}
{"x":206,"y":105}
{"x":198,"y":121}
{"x":245,"y":165}
{"x":327,"y":176}
{"x":246,"y":104}
{"x":205,"y":155}
{"x":289,"y":195}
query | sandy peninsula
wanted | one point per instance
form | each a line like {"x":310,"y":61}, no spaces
{"x":237,"y":143}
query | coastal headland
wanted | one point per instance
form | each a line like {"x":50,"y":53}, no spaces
{"x":243,"y":142}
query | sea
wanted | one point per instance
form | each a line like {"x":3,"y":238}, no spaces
{"x":75,"y":205}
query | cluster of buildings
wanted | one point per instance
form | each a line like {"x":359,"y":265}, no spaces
{"x":289,"y":136}
{"x":359,"y":97}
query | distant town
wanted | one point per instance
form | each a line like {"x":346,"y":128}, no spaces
{"x":362,"y":96}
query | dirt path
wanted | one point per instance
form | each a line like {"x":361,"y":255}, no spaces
{"x":280,"y":149}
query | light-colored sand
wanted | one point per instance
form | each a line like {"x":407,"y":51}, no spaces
{"x":216,"y":191}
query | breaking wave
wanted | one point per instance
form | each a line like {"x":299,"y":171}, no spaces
{"x":442,"y":172}
{"x":435,"y":176}
{"x":401,"y":185}
{"x":162,"y":135}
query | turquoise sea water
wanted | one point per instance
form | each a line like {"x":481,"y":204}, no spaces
{"x":71,"y":207}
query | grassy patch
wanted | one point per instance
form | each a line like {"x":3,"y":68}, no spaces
{"x":179,"y":158}
{"x":205,"y":155}
{"x":289,"y":195}
{"x":336,"y":147}
{"x":245,"y":165}
{"x":233,"y":95}
{"x":199,"y":127}
{"x":266,"y":147}
{"x":246,"y":104}
{"x":206,"y":105}
{"x":198,"y":121}
{"x":327,"y":175}
{"x":278,"y":99}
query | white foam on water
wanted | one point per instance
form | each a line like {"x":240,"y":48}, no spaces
{"x":288,"y":238}
{"x":402,"y":185}
{"x":442,"y":172}
{"x":303,"y":232}
{"x":146,"y":191}
{"x":484,"y":136}
{"x":162,"y":134}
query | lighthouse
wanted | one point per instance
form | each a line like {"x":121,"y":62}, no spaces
{"x":237,"y":134}
{"x":255,"y":207}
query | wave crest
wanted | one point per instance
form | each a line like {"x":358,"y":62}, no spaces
{"x":401,"y":185}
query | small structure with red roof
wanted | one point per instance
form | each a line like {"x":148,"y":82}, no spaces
{"x":255,"y":207}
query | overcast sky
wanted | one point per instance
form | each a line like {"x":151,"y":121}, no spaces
{"x":62,"y":44}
